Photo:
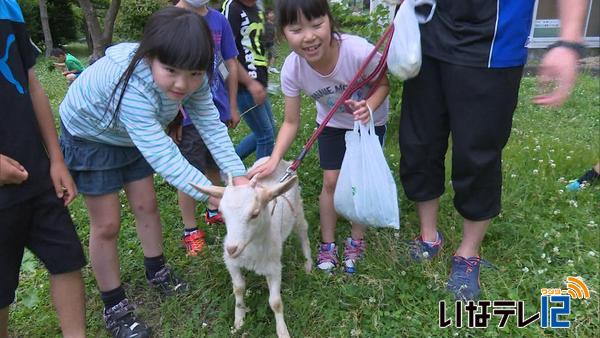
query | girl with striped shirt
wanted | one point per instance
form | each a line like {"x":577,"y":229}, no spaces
{"x":113,"y":120}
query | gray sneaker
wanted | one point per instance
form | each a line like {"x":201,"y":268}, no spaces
{"x":121,"y":322}
{"x":167,"y":283}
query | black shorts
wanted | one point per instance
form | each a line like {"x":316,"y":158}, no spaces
{"x":43,"y":225}
{"x":473,"y":105}
{"x":194,"y":150}
{"x":332,"y":146}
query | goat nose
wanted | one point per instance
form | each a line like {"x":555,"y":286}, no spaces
{"x":231,"y":250}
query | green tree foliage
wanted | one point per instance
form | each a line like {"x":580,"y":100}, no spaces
{"x":63,"y":22}
{"x":133,"y":16}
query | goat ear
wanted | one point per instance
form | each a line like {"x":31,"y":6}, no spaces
{"x":282,"y":187}
{"x":212,"y":190}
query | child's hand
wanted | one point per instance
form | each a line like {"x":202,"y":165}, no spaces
{"x":11,"y":171}
{"x":264,"y":169}
{"x":360,"y":110}
{"x":63,"y":182}
{"x":235,"y":119}
{"x":258,"y":92}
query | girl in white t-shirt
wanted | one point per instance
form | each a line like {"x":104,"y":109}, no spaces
{"x":322,"y":64}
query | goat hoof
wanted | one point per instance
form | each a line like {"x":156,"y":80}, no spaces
{"x":308,"y":266}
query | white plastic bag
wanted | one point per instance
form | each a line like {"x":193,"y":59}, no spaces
{"x":366,"y":192}
{"x":404,"y":57}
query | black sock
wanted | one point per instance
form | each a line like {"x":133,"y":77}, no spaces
{"x":589,"y":176}
{"x":153,"y":265}
{"x":112,"y":297}
{"x":189,"y":231}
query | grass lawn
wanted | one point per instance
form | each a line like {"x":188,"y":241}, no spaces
{"x":543,"y":235}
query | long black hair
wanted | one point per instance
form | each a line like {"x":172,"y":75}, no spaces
{"x":289,"y":11}
{"x":176,"y":37}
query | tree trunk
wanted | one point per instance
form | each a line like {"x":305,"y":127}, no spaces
{"x":101,"y":36}
{"x":46,"y":27}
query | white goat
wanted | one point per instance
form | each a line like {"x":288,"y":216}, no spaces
{"x":259,"y":217}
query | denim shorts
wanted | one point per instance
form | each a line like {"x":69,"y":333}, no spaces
{"x":99,"y":168}
{"x":332,"y":146}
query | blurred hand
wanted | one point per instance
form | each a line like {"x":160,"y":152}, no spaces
{"x":258,"y":92}
{"x":11,"y":171}
{"x":64,"y":186}
{"x":360,"y":110}
{"x":235,"y":119}
{"x":556,"y":76}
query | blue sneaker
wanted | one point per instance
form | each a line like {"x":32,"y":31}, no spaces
{"x":573,"y":186}
{"x":421,"y":251}
{"x":353,"y":252}
{"x":464,"y":277}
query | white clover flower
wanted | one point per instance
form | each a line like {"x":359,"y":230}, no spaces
{"x":591,"y":254}
{"x":541,"y":161}
{"x":570,"y":262}
{"x":371,"y":300}
{"x":204,"y":325}
{"x":562,"y":180}
{"x":403,"y":273}
{"x":552,"y":165}
{"x":535,"y":171}
{"x":555,"y":249}
{"x":541,"y":271}
{"x":526,"y":148}
{"x":556,"y":212}
{"x":543,"y":255}
{"x":568,"y":157}
{"x":560,"y":191}
{"x":425,"y":254}
{"x":573,"y":203}
{"x":525,"y":269}
{"x":549,"y":260}
{"x":545,"y":235}
{"x":551,"y":150}
{"x":355,"y":333}
{"x":513,"y":175}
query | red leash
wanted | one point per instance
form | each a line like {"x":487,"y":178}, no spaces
{"x":354,"y":85}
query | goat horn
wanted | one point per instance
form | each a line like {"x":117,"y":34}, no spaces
{"x":253,"y":181}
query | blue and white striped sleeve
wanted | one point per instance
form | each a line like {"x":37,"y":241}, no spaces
{"x":205,"y":117}
{"x":138,"y":114}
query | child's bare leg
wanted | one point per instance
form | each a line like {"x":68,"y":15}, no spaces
{"x":187,"y":206}
{"x":597,"y":168}
{"x":214,"y":178}
{"x":358,"y":231}
{"x":428,"y":213}
{"x":104,"y":212}
{"x":4,"y":322}
{"x":328,"y":216}
{"x":142,"y":200}
{"x":68,"y":297}
{"x":473,"y":233}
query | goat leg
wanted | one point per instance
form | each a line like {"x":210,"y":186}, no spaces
{"x":302,"y":231}
{"x":239,"y":288}
{"x":274,"y":282}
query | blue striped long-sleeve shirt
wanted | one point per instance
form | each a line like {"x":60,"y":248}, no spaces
{"x":143,"y":115}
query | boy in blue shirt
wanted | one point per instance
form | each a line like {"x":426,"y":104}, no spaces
{"x":35,"y":185}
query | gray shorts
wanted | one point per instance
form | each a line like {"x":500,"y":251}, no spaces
{"x":194,"y":150}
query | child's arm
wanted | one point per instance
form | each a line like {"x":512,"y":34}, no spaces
{"x":11,"y":171}
{"x":285,"y":137}
{"x":361,"y":108}
{"x":63,"y":183}
{"x":232,"y":87}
